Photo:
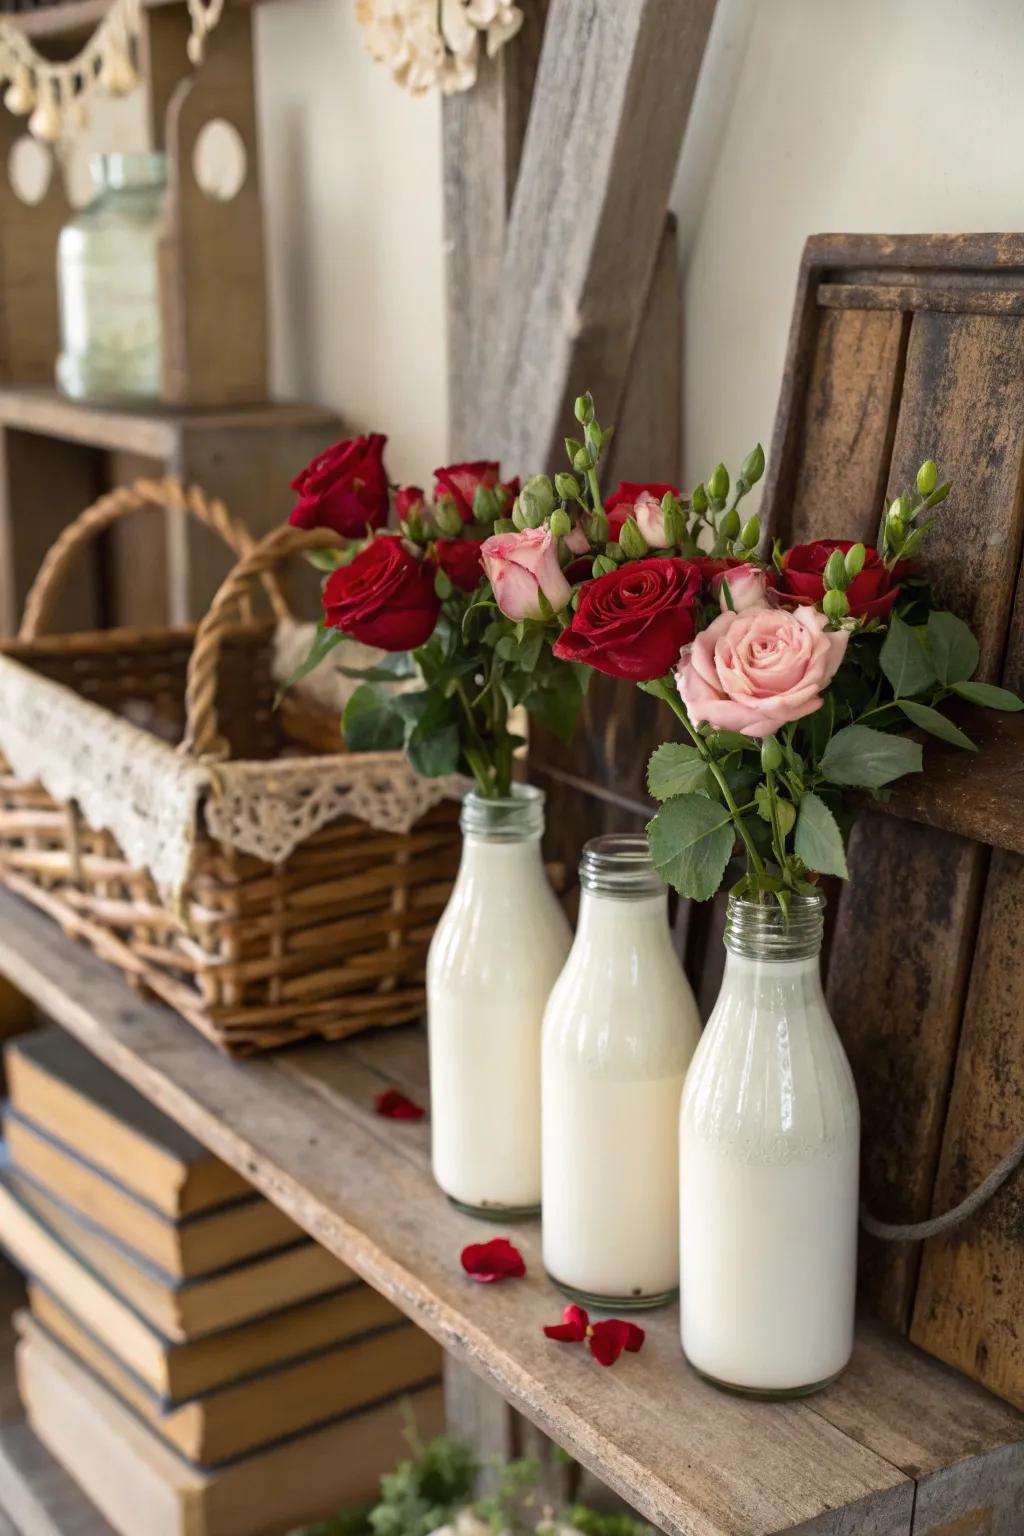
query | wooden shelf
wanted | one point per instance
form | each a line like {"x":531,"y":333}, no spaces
{"x":152,"y":431}
{"x":979,"y":795}
{"x":694,"y":1461}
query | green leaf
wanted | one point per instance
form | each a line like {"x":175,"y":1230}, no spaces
{"x":865,"y":759}
{"x":954,"y":650}
{"x":675,"y":769}
{"x":904,"y":660}
{"x":327,"y":559}
{"x":818,"y":840}
{"x":371,"y":722}
{"x":324,"y":641}
{"x":988,"y":695}
{"x":691,"y":839}
{"x":556,"y":705}
{"x":936,"y":724}
{"x":395,"y":670}
{"x":433,"y":750}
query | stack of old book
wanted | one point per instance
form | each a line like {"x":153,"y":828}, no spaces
{"x":196,"y":1363}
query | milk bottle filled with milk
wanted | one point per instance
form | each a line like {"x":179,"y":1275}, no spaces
{"x":768,"y":1155}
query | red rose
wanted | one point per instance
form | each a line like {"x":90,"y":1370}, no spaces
{"x":634,"y":621}
{"x":384,"y":597}
{"x":460,"y":482}
{"x":408,"y":498}
{"x":619,"y":505}
{"x":460,"y":561}
{"x":870,"y":595}
{"x":345,"y":488}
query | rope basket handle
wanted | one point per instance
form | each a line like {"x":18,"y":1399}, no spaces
{"x":202,"y":738}
{"x":165,"y":495}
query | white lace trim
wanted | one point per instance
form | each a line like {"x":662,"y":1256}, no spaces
{"x":149,"y":796}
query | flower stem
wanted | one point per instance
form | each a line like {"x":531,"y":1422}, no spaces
{"x":667,"y":692}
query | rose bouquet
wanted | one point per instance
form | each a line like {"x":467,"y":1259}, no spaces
{"x":798,"y":679}
{"x":419,"y":591}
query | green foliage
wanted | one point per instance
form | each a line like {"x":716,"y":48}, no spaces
{"x":952,"y":648}
{"x":863,"y":758}
{"x":324,"y":642}
{"x":990,"y":697}
{"x":691,"y":839}
{"x":675,"y":769}
{"x":935,"y":724}
{"x":818,"y":841}
{"x":371,"y":723}
{"x":905,"y":661}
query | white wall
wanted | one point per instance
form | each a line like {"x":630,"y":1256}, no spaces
{"x":848,"y":115}
{"x":352,"y":187}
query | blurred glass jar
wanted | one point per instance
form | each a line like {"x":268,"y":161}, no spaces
{"x":108,"y":282}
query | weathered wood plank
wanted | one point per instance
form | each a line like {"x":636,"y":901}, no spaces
{"x":611,"y":99}
{"x":693,"y":1461}
{"x":906,"y":297}
{"x":969,"y":1300}
{"x":482,"y":139}
{"x":648,"y":441}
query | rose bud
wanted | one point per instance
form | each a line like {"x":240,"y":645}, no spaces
{"x":344,"y":488}
{"x":522,"y":567}
{"x":870,"y":594}
{"x":461,"y":481}
{"x":746,"y":585}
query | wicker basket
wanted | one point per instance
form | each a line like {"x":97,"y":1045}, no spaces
{"x":266,"y":888}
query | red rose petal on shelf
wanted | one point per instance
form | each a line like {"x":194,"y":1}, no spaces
{"x":573,"y":1327}
{"x":609,"y":1338}
{"x":496,"y":1260}
{"x":396,"y":1106}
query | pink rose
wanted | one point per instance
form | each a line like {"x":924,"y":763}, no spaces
{"x":650,"y":519}
{"x":520,"y":566}
{"x":755,"y":671}
{"x":576,"y":541}
{"x":746,"y":588}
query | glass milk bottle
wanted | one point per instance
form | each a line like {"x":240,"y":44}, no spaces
{"x":497,"y":950}
{"x":619,"y":1031}
{"x":769,"y":1154}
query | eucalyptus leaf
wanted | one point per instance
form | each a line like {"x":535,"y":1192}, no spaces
{"x":905,"y":661}
{"x":862,"y":758}
{"x":818,"y":840}
{"x":371,"y":723}
{"x":954,"y":650}
{"x":675,"y":769}
{"x":691,"y":839}
{"x":989,"y":696}
{"x":935,"y":724}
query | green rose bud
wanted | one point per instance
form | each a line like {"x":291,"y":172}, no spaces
{"x":750,"y":535}
{"x":771,"y":755}
{"x":632,"y":540}
{"x":718,"y":485}
{"x":602,"y":565}
{"x":927,"y":477}
{"x":854,"y":561}
{"x":730,"y":524}
{"x":615,"y":552}
{"x":583,"y":461}
{"x":567,"y":486}
{"x":532,"y":507}
{"x":486,"y":505}
{"x":785,"y":815}
{"x":675,"y":522}
{"x":443,"y":586}
{"x":447,"y":517}
{"x":752,"y":467}
{"x":584,"y":408}
{"x":560,"y":523}
{"x":519,"y":517}
{"x":572,"y":447}
{"x":597,"y":527}
{"x":542,"y":492}
{"x":699,"y":499}
{"x":940,"y":493}
{"x":836,"y":604}
{"x":504,"y":525}
{"x":835,"y":571}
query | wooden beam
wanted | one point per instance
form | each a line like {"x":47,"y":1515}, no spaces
{"x":482,"y":140}
{"x":612,"y":97}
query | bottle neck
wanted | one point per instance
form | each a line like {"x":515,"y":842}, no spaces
{"x":622,"y":922}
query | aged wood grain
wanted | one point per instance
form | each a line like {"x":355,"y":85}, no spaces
{"x":648,"y":441}
{"x":695,"y":1462}
{"x":43,"y":485}
{"x":969,"y":1302}
{"x":482,"y":139}
{"x":29,"y":322}
{"x":611,"y":99}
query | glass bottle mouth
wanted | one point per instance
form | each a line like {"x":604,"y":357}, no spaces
{"x":517,"y":819}
{"x":763,"y":931}
{"x":619,"y":864}
{"x":120,"y":172}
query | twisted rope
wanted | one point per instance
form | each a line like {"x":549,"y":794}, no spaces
{"x":917,"y":1231}
{"x":202,"y":738}
{"x":165,"y":495}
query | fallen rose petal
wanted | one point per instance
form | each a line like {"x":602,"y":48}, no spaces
{"x":396,"y":1106}
{"x":609,"y":1338}
{"x":573,"y":1327}
{"x":496,"y":1260}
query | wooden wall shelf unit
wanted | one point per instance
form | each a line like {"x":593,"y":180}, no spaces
{"x":57,"y":456}
{"x":900,"y":1446}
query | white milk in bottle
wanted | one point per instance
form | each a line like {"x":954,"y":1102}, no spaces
{"x":619,"y":1031}
{"x":769,"y":1152}
{"x":498,"y":948}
